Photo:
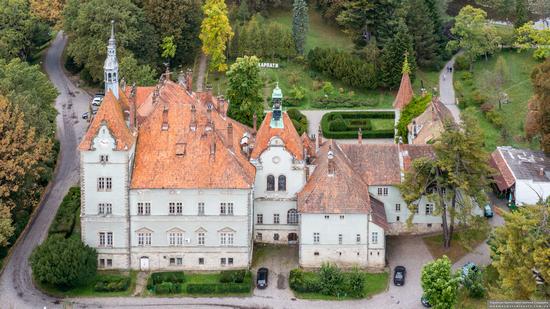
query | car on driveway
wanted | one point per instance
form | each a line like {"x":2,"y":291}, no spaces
{"x":467,"y":268}
{"x":399,"y":275}
{"x":97,"y":100}
{"x":425,"y":302}
{"x":488,"y":211}
{"x":261,"y":278}
{"x":86,"y":115}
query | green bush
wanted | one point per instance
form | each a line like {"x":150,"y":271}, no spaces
{"x":232,"y":276}
{"x":356,"y":283}
{"x":167,"y":288}
{"x":219,"y":288}
{"x":112,"y":283}
{"x":474,"y":284}
{"x":331,"y":279}
{"x":495,"y":118}
{"x":299,"y":120}
{"x":158,"y":278}
{"x":338,"y":125}
{"x":67,"y":214}
{"x":346,"y":124}
{"x":462,"y":63}
{"x":412,"y":110}
{"x":299,"y":283}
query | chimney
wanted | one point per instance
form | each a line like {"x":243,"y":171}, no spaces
{"x":165,"y":118}
{"x":208,"y":95}
{"x":193,"y":124}
{"x":319,"y":138}
{"x":414,"y":129}
{"x":221,"y":106}
{"x":230,"y":136}
{"x":212,"y":145}
{"x":156,"y":94}
{"x":182,"y":79}
{"x":167,"y":73}
{"x":360,"y":136}
{"x":123,"y":84}
{"x":330,"y":157}
{"x":133,"y":109}
{"x":189,"y":80}
{"x":209,"y":124}
{"x":307,"y":173}
{"x":254,"y":123}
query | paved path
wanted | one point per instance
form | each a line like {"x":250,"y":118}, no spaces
{"x":202,"y":70}
{"x":16,"y":287}
{"x":447,"y":90}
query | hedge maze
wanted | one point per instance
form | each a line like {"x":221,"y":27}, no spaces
{"x":340,"y":125}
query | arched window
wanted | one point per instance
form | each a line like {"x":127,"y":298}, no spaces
{"x":109,"y":77}
{"x":292,"y":216}
{"x":282,"y":183}
{"x":270,"y":183}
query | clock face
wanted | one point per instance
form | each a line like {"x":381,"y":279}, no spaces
{"x":276,"y":160}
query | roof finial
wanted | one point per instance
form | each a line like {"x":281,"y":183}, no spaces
{"x":112,"y":29}
{"x":406,"y":67}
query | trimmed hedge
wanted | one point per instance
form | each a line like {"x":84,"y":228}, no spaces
{"x":232,"y":276}
{"x":219,"y":288}
{"x":341,"y":125}
{"x":112,"y":283}
{"x":412,"y":110}
{"x":299,"y":120}
{"x":67,"y":214}
{"x":159,"y":278}
{"x":338,"y":102}
{"x":167,"y":288}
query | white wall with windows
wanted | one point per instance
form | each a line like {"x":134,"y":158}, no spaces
{"x":350,"y":241}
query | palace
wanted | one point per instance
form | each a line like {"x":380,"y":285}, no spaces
{"x":169,"y":181}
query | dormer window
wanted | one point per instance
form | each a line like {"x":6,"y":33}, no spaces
{"x":103,"y":158}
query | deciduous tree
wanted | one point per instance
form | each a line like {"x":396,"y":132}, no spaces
{"x":520,"y":246}
{"x":215,"y":33}
{"x":64,"y":263}
{"x":473,"y":34}
{"x":538,"y":116}
{"x":527,"y":37}
{"x":47,"y":10}
{"x":243,"y":90}
{"x":133,"y":72}
{"x":300,"y":24}
{"x":439,"y":283}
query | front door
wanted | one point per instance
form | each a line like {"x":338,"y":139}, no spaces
{"x":144,"y":263}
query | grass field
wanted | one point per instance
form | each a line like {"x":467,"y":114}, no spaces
{"x":88,"y":290}
{"x":462,"y":243}
{"x":374,"y":283}
{"x":519,"y":90}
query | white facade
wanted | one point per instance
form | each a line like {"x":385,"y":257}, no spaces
{"x":352,"y":240}
{"x":275,"y":214}
{"x":529,"y":192}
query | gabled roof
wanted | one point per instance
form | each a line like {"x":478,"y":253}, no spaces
{"x":179,"y":157}
{"x":378,"y":164}
{"x":431,"y":123}
{"x":405,"y":93}
{"x":309,"y":145}
{"x":504,"y":178}
{"x":288,"y":134}
{"x":513,"y":164}
{"x":342,"y":191}
{"x":111,"y":114}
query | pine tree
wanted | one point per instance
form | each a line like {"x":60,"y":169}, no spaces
{"x":434,"y":11}
{"x":393,"y":57}
{"x":243,"y":14}
{"x":215,"y":33}
{"x":382,"y":20}
{"x":421,"y":27}
{"x":522,"y":13}
{"x":300,"y":23}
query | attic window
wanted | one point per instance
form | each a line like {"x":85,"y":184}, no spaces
{"x":180,"y":149}
{"x":164,"y":126}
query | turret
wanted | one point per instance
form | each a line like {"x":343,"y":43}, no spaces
{"x":110,"y":68}
{"x":277,"y":108}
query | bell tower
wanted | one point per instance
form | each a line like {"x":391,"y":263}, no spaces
{"x":277,"y":100}
{"x":110,"y":68}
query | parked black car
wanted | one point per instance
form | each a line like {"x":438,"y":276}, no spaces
{"x":261,"y":278}
{"x":399,"y":275}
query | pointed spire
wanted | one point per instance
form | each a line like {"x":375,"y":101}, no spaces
{"x":110,"y":67}
{"x":406,"y":67}
{"x":112,"y":39}
{"x":405,"y":93}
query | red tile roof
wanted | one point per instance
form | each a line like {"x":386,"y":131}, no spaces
{"x":405,"y":93}
{"x":111,"y":114}
{"x":157,"y":164}
{"x":504,"y":177}
{"x":289,"y":135}
{"x":378,"y":164}
{"x":309,"y":145}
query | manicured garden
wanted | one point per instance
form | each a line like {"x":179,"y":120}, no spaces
{"x":331,"y":283}
{"x":104,"y":284}
{"x":340,"y":125}
{"x":481,"y":90}
{"x":225,"y":283}
{"x":67,"y":218}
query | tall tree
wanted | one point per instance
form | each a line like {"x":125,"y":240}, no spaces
{"x":88,"y":27}
{"x":522,"y":13}
{"x":520,"y":246}
{"x":243,"y":89}
{"x":21,"y":150}
{"x":393,"y":56}
{"x":454,"y":179}
{"x":541,"y":8}
{"x":538,"y":116}
{"x":47,"y":10}
{"x":528,"y":37}
{"x":243,"y":14}
{"x":215,"y":33}
{"x":473,"y":34}
{"x":133,"y":72}
{"x":300,"y":24}
{"x":439,"y":283}
{"x":421,"y":26}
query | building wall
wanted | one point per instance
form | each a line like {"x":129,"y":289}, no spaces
{"x":364,"y":253}
{"x":160,"y":223}
{"x":276,"y":160}
{"x":528,"y":192}
{"x":92,"y":223}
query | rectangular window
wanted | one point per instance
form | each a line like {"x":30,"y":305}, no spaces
{"x":226,"y":239}
{"x":201,"y":261}
{"x":172,"y":261}
{"x":340,"y":239}
{"x":201,"y":209}
{"x":101,"y":208}
{"x":385,"y":191}
{"x":223,"y":209}
{"x":397,"y":207}
{"x":382,"y":191}
{"x":175,"y":208}
{"x":316,"y":238}
{"x":200,"y":238}
{"x":175,"y":238}
{"x":222,"y":261}
{"x":259,"y":236}
{"x":101,"y":184}
{"x":110,"y":239}
{"x":143,"y":209}
{"x":179,"y":261}
{"x":276,"y":219}
{"x":108,"y":208}
{"x":144,"y":239}
{"x":429,"y":209}
{"x":109,"y":263}
{"x":397,"y":219}
{"x":102,"y":239}
{"x":104,"y":158}
{"x":259,"y":219}
{"x":358,"y":238}
{"x":229,"y":261}
{"x":341,"y":217}
{"x":171,"y":208}
{"x":327,"y":217}
{"x":108,"y":183}
{"x":101,"y":263}
{"x":229,"y":209}
{"x":374,"y":237}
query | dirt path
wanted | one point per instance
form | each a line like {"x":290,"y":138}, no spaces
{"x":141,"y":284}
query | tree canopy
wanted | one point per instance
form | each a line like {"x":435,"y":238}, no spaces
{"x":393,"y":56}
{"x":243,"y":90}
{"x":439,"y":283}
{"x":215,"y":33}
{"x":537,"y":123}
{"x":300,"y":24}
{"x":527,"y":37}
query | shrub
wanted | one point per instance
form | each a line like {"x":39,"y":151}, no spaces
{"x":462,"y":63}
{"x":350,"y":69}
{"x":167,"y":288}
{"x":112,"y":283}
{"x":331,"y":279}
{"x":495,"y":118}
{"x":300,"y":283}
{"x":221,"y":288}
{"x":412,"y":110}
{"x":299,"y":120}
{"x":474,"y":284}
{"x":356,"y":283}
{"x":346,"y":124}
{"x":67,"y":214}
{"x":478,"y":98}
{"x":235,"y":276}
{"x":172,"y":277}
{"x":487,"y":107}
{"x":338,"y":125}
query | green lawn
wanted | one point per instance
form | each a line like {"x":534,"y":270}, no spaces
{"x":375,"y":283}
{"x":519,"y":90}
{"x":382,"y":124}
{"x":88,"y":290}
